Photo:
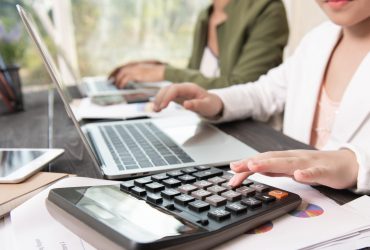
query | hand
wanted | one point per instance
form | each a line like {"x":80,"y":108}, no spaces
{"x":191,"y":97}
{"x":337,"y":169}
{"x":143,"y":71}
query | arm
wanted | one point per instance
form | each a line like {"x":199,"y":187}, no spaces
{"x":262,"y":50}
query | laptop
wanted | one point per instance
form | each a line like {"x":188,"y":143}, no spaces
{"x":125,"y":149}
{"x":92,"y":86}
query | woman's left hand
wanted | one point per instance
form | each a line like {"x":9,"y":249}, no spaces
{"x":337,"y":169}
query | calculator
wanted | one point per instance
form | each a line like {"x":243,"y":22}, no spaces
{"x":191,"y":208}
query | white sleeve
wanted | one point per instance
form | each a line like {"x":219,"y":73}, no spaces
{"x":363,"y":176}
{"x":259,"y":99}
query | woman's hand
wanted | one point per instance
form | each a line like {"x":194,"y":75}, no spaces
{"x":191,"y":97}
{"x":143,"y":71}
{"x":337,"y":169}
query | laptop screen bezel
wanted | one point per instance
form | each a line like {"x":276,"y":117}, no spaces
{"x":55,"y":76}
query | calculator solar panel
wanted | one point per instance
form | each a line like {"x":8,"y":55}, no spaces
{"x":192,"y":207}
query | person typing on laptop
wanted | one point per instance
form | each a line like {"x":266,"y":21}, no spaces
{"x":234,"y":42}
{"x":324,"y":90}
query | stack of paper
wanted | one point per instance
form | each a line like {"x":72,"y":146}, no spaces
{"x":320,"y":223}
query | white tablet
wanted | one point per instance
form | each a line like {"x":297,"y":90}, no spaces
{"x":17,"y":164}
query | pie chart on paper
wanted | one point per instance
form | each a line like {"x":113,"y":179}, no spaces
{"x":307,"y":210}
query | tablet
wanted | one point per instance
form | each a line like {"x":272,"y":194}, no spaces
{"x":18,"y":164}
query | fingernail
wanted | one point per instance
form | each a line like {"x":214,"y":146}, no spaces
{"x":231,"y":182}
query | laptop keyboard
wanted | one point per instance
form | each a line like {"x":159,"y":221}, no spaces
{"x":142,"y":145}
{"x":102,"y":86}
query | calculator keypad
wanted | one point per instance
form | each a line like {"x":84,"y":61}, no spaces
{"x":203,"y":194}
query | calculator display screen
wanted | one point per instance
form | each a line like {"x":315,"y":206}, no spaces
{"x":131,"y":217}
{"x":11,"y":161}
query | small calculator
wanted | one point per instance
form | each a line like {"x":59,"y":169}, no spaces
{"x":181,"y":209}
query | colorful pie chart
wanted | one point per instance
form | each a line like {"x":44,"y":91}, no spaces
{"x":261,"y":229}
{"x":307,"y":210}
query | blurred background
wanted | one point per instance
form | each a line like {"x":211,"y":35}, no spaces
{"x":97,"y":35}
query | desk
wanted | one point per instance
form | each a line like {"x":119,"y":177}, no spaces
{"x":30,"y":129}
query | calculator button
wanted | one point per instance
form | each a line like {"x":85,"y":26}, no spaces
{"x":202,"y":184}
{"x":138,"y":191}
{"x":216,"y":200}
{"x":219,"y":214}
{"x":246,"y":191}
{"x":183,"y":199}
{"x":171,"y":183}
{"x":187,"y":188}
{"x":217,"y":180}
{"x":251,"y":202}
{"x":187,"y":178}
{"x":236,"y":208}
{"x":227,"y":186}
{"x":201,"y":194}
{"x":208,"y":173}
{"x":260,"y":187}
{"x":127,"y":185}
{"x":216,"y":189}
{"x":154,"y":198}
{"x":201,"y":168}
{"x":265,"y":198}
{"x":278,"y":194}
{"x":199,"y":206}
{"x":154,"y":187}
{"x":231,"y":195}
{"x":247,"y":182}
{"x":189,"y":170}
{"x":169,"y":193}
{"x":175,"y":173}
{"x":141,"y":182}
{"x":159,"y":177}
{"x":227,"y":176}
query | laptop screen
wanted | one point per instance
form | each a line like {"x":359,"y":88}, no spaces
{"x":54,"y":74}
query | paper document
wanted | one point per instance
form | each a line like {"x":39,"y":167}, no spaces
{"x":86,"y":109}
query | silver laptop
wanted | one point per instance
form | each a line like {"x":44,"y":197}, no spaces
{"x":99,"y":85}
{"x":140,"y":147}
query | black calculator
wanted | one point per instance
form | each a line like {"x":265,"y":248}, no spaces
{"x":191,"y":208}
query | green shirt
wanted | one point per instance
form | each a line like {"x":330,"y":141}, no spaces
{"x":251,"y":41}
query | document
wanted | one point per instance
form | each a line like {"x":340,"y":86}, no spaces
{"x":318,"y":221}
{"x":35,"y":228}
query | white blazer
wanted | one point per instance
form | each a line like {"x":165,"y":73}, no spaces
{"x":294,"y":86}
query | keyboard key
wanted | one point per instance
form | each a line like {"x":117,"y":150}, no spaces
{"x":202,"y":184}
{"x":171,"y":183}
{"x":278,"y":194}
{"x":227,"y":186}
{"x":199,"y":206}
{"x":187,"y":188}
{"x":141,"y":182}
{"x":189,"y":170}
{"x":154,"y":198}
{"x":183,"y":199}
{"x":138,"y":191}
{"x":175,"y":173}
{"x":227,"y":176}
{"x":170,"y":193}
{"x":260,"y":187}
{"x":154,"y":187}
{"x":127,"y":185}
{"x":265,"y":198}
{"x":219,"y":214}
{"x":159,"y":177}
{"x":216,"y":189}
{"x":247,"y":182}
{"x":246,"y":191}
{"x":187,"y":178}
{"x":217,"y":180}
{"x":236,"y":208}
{"x":216,"y":200}
{"x":251,"y":202}
{"x":201,"y":194}
{"x":231,"y":195}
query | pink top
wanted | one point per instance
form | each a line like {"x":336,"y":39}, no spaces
{"x":326,"y":111}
